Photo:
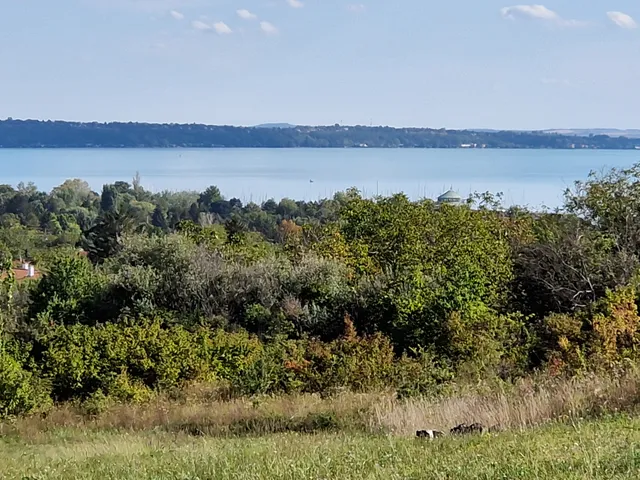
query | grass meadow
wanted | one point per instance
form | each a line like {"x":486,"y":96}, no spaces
{"x":607,"y":449}
{"x":576,"y":429}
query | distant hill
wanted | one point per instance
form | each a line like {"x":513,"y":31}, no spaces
{"x":585,"y":132}
{"x":579,"y":132}
{"x":275,"y":125}
{"x":58,"y":134}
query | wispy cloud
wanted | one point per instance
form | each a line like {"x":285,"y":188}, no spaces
{"x":268,"y":28}
{"x":177,"y":15}
{"x":541,"y":13}
{"x":246,"y":14}
{"x":622,"y":20}
{"x":222,"y":28}
{"x":531,"y":11}
{"x":356,"y":7}
{"x":200,"y":25}
{"x":295,"y":3}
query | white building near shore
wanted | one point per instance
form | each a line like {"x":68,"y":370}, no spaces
{"x":450,"y":198}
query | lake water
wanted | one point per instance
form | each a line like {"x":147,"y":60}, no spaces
{"x":526,"y":177}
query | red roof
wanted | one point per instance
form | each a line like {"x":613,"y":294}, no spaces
{"x":21,"y":274}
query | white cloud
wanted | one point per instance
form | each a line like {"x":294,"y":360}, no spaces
{"x":622,"y":20}
{"x":177,"y":15}
{"x":295,"y":3}
{"x":539,"y":12}
{"x":246,"y":14}
{"x":200,"y":25}
{"x":356,"y":7}
{"x":269,"y":28}
{"x":222,"y":28}
{"x":532,"y":11}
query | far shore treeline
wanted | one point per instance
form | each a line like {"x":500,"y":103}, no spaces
{"x":137,"y":293}
{"x":60,"y":134}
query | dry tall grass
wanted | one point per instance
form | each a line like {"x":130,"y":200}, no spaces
{"x":200,"y":412}
{"x":526,"y":404}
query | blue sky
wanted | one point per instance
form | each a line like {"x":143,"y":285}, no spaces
{"x":455,"y":64}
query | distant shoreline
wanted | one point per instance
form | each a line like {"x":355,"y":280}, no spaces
{"x":35,"y":134}
{"x":196,"y":147}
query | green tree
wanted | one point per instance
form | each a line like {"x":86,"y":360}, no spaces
{"x":20,"y":391}
{"x":51,"y":224}
{"x":567,"y":266}
{"x":208,"y":197}
{"x":194,"y":213}
{"x":235,"y":228}
{"x":158,"y":219}
{"x":109,"y":199}
{"x":105,"y":238}
{"x":68,"y":293}
{"x":610,"y":202}
{"x":74,"y":193}
{"x":425,"y":263}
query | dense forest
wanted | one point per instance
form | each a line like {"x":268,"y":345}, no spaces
{"x":141,"y":292}
{"x":58,"y":134}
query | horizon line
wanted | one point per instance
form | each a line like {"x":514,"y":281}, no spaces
{"x":294,"y":125}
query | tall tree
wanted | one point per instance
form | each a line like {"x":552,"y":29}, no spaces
{"x":74,"y":192}
{"x":235,"y":228}
{"x":109,"y":199}
{"x":105,"y":238}
{"x":194,"y":213}
{"x":158,"y":219}
{"x":208,"y":197}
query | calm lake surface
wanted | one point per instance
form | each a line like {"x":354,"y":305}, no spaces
{"x":526,"y":177}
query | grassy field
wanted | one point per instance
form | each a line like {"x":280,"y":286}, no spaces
{"x":553,"y":429}
{"x":607,"y":449}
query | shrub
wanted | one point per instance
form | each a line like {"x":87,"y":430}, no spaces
{"x":129,"y":361}
{"x":20,"y":391}
{"x":70,"y":292}
{"x":229,"y":356}
{"x":81,"y":360}
{"x":352,"y":362}
{"x":603,"y":336}
{"x":420,"y":374}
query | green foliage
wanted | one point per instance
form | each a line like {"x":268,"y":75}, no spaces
{"x":104,"y":239}
{"x":210,"y":236}
{"x":601,"y":337}
{"x":420,"y":372}
{"x":437,"y":262}
{"x":158,"y":219}
{"x":268,"y":295}
{"x":20,"y":391}
{"x":70,"y":292}
{"x":611,"y":202}
{"x":118,"y":360}
{"x":7,"y":285}
{"x":255,"y":296}
{"x":352,"y":362}
{"x":568,"y":266}
{"x":109,"y":199}
{"x":128,"y":362}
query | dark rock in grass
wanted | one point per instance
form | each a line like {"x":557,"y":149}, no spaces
{"x":464,"y":429}
{"x":429,"y":433}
